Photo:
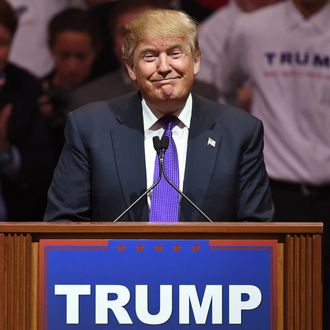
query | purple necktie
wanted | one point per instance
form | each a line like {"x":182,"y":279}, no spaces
{"x":164,"y":199}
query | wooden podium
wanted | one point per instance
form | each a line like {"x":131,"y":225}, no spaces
{"x":299,"y":262}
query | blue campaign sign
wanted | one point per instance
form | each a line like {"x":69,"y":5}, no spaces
{"x":172,"y":284}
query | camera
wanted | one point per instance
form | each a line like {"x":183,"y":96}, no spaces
{"x":59,"y":97}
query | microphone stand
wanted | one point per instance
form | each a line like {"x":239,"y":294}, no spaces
{"x":163,"y":146}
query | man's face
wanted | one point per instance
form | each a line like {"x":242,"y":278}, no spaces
{"x":5,"y":44}
{"x":164,"y":70}
{"x":309,"y":7}
{"x":92,"y":3}
{"x":74,"y":56}
{"x":310,"y":2}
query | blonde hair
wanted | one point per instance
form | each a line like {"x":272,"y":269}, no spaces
{"x":158,"y":23}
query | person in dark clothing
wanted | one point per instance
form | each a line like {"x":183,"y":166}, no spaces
{"x":25,"y":132}
{"x":106,"y":60}
{"x":73,"y":42}
{"x":201,"y":9}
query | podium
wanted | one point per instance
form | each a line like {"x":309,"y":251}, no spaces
{"x":299,"y":262}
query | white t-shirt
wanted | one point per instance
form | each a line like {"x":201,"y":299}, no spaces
{"x":213,"y":35}
{"x":29,"y":49}
{"x":287,"y":59}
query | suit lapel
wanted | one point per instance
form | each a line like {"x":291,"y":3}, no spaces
{"x":128,"y":146}
{"x":203,"y":147}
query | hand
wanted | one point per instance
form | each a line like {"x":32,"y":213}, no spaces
{"x":5,"y":113}
{"x":245,"y":97}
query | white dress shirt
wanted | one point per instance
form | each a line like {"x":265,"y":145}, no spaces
{"x":180,"y":135}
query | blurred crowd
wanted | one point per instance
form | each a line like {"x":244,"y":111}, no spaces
{"x":270,"y":57}
{"x":55,"y":56}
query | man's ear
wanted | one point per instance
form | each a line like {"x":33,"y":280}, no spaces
{"x":197,"y":63}
{"x":131,"y":71}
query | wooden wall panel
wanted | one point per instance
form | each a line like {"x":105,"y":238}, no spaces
{"x":280,"y":287}
{"x":2,"y":281}
{"x":303,"y":288}
{"x":17,"y":282}
{"x":316,"y":282}
{"x":35,"y":282}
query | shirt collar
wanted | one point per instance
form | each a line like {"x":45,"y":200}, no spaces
{"x":319,"y":20}
{"x":150,"y":120}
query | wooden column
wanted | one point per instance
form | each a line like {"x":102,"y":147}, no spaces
{"x":15,"y":277}
{"x":303,"y":282}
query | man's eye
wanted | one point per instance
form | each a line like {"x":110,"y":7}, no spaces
{"x":149,"y":57}
{"x":176,"y":54}
{"x":81,"y":57}
{"x":63,"y":56}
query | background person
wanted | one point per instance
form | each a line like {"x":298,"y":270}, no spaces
{"x":287,"y":63}
{"x":287,"y":66}
{"x":26,"y":158}
{"x":29,"y":48}
{"x":99,"y":11}
{"x":73,"y":42}
{"x":213,"y":42}
{"x":10,"y":160}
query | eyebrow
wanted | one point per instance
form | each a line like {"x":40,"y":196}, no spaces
{"x":150,"y":48}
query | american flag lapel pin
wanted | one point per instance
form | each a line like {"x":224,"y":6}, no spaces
{"x":211,"y":142}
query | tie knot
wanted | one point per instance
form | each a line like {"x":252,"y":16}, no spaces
{"x":168,"y":121}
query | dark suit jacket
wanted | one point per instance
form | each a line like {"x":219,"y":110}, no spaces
{"x":102,"y":167}
{"x":25,"y":195}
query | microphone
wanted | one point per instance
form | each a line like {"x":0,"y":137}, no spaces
{"x":163,"y":147}
{"x":159,"y":147}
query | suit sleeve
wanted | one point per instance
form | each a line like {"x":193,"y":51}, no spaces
{"x":69,"y":194}
{"x":255,"y":201}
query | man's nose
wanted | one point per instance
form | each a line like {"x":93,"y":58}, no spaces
{"x":72,"y":65}
{"x":164,"y":66}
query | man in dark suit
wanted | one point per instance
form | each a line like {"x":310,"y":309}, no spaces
{"x":108,"y":158}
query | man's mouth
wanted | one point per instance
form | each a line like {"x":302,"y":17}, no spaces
{"x":165,"y":80}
